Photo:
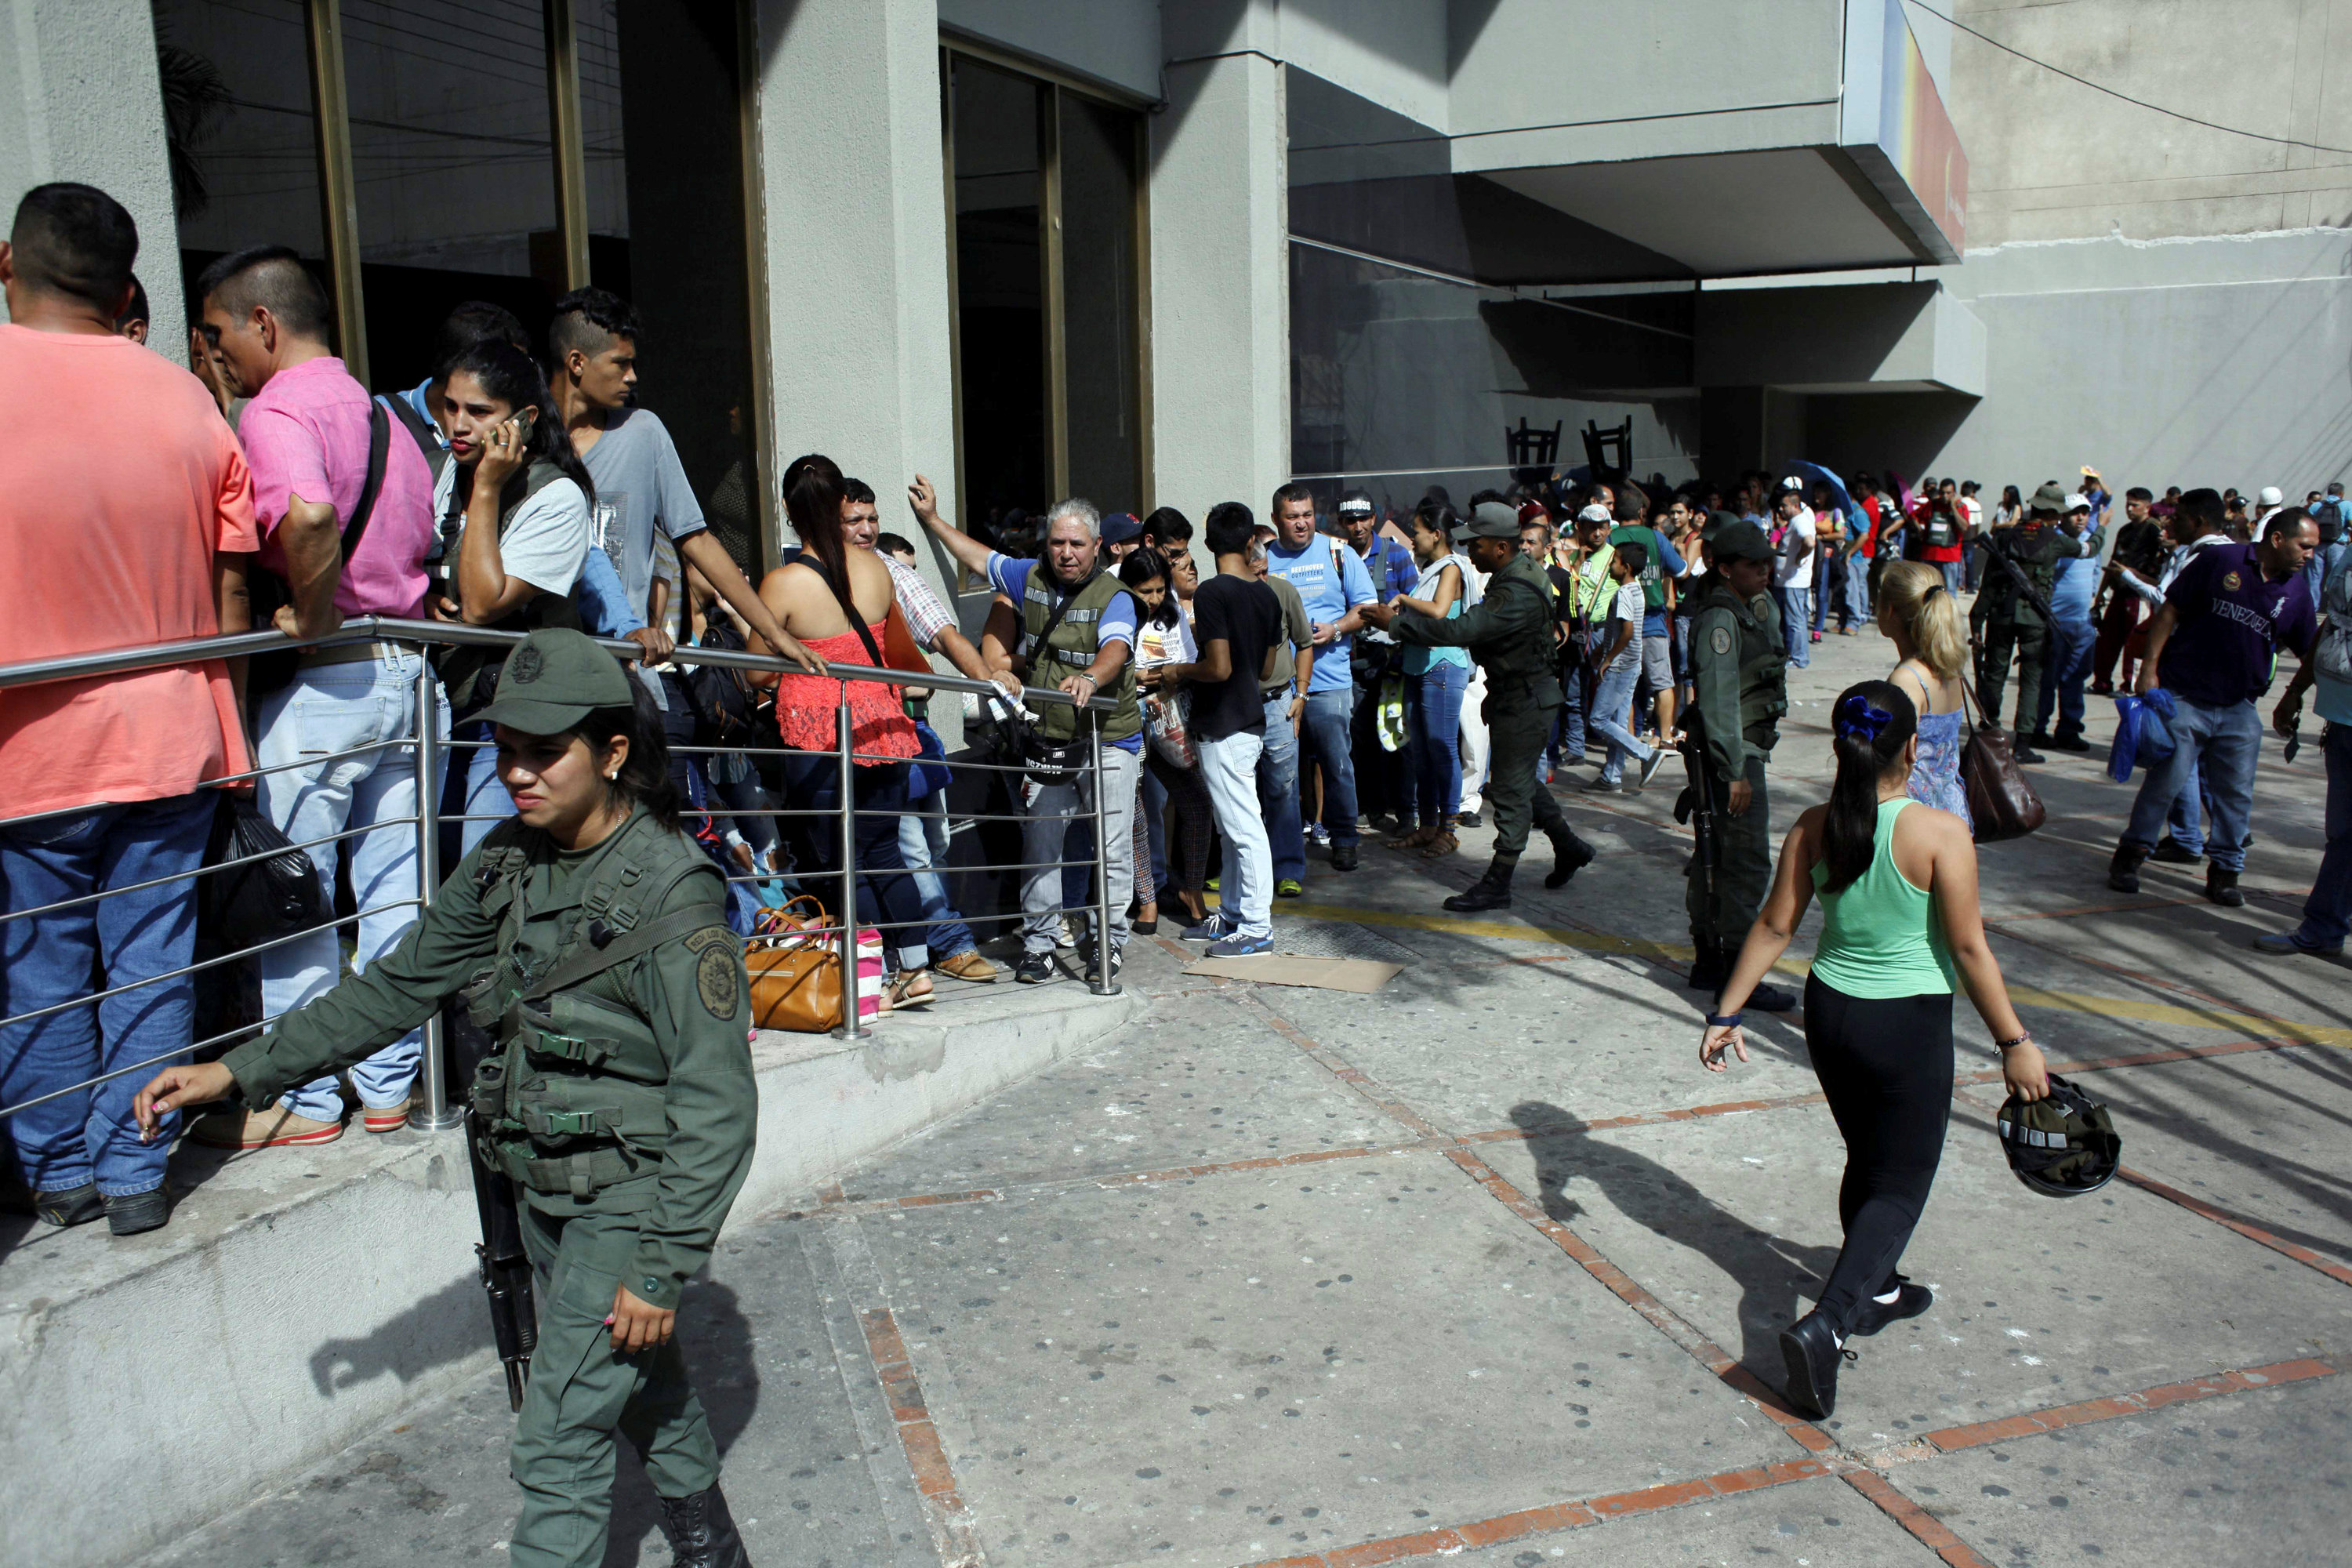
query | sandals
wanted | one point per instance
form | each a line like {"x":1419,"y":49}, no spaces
{"x":1439,"y":847}
{"x":1416,"y":838}
{"x":912,"y":988}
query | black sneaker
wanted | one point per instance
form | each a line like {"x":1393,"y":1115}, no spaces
{"x":1344,"y":858}
{"x":1812,"y":1351}
{"x":1910,"y":1300}
{"x":1467,"y":819}
{"x":139,"y":1212}
{"x":2172,"y":852}
{"x":63,"y":1207}
{"x":1094,"y":967}
{"x":2067,"y":740}
{"x":1034,"y":969}
{"x":2028,"y":754}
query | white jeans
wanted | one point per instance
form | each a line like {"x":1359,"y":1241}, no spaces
{"x":1050,"y":808}
{"x":1475,"y":753}
{"x":1246,"y":891}
{"x":325,"y":710}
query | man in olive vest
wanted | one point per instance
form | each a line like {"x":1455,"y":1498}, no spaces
{"x":1077,"y":635}
{"x":1737,"y":667}
{"x":1510,"y":633}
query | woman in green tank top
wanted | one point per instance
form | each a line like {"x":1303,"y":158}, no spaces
{"x":1897,"y":882}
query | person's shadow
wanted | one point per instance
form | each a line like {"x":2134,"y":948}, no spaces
{"x":1775,"y":1277}
{"x":717,"y":1339}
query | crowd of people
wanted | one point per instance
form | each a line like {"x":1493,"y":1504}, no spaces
{"x":1334,"y":674}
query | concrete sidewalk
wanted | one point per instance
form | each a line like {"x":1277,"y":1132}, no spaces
{"x":1484,"y":1268}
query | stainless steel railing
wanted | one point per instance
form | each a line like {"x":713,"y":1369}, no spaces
{"x":433,"y":1111}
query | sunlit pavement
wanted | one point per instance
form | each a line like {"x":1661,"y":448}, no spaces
{"x":1484,"y":1268}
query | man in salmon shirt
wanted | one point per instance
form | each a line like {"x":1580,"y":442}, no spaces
{"x":126,"y":516}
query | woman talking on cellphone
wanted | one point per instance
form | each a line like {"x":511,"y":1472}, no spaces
{"x":1897,"y":882}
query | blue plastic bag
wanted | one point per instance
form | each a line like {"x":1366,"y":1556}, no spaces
{"x":2142,"y":733}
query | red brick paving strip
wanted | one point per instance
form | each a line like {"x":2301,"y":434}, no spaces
{"x":950,"y":1521}
{"x":2245,"y":1228}
{"x":1952,"y":1438}
{"x":1930,"y":1532}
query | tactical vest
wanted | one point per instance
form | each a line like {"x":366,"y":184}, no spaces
{"x":1073,"y":646}
{"x":471,"y":674}
{"x":573,"y":1098}
{"x":1534,"y":655}
{"x":1763,"y":662}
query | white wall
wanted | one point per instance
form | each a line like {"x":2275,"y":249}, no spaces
{"x":1220,"y":286}
{"x":2190,"y":362}
{"x":81,"y":101}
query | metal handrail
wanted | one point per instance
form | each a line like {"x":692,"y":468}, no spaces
{"x":434,"y":1112}
{"x":394,"y":628}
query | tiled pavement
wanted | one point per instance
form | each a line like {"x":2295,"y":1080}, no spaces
{"x":1482,"y":1267}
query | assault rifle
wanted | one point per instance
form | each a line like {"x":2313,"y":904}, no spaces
{"x":504,"y":1267}
{"x":1698,"y":805}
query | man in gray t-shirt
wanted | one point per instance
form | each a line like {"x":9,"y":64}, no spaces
{"x":640,"y":488}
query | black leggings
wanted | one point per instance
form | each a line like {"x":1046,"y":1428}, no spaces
{"x":1885,"y":1064}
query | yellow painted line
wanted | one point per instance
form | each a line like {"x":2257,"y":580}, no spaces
{"x":2171,"y":1014}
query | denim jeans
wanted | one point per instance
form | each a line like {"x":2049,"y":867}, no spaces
{"x":1857,"y":588}
{"x":1277,"y":790}
{"x":2327,"y":913}
{"x":1433,"y":713}
{"x":1051,"y":809}
{"x":1568,"y":738}
{"x":1953,"y":574}
{"x":2223,"y":744}
{"x":2187,"y":817}
{"x":1796,"y":621}
{"x":1329,"y":718}
{"x":327,"y":710}
{"x":1154,"y":795}
{"x":924,"y":844}
{"x":49,"y":959}
{"x":1609,"y":701}
{"x":481,"y":799}
{"x":1245,"y":891}
{"x":886,"y":897}
{"x":1825,"y":581}
{"x":2071,"y":641}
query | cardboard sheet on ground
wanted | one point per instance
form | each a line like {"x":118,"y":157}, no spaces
{"x":1360,"y":974}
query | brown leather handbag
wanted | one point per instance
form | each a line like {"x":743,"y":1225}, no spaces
{"x":2001,"y":804}
{"x":793,"y":961}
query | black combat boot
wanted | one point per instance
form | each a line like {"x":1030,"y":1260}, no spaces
{"x":2122,"y":871}
{"x":2222,"y":887}
{"x":1708,"y":969}
{"x":702,"y":1532}
{"x":1491,"y":891}
{"x":1569,"y":854}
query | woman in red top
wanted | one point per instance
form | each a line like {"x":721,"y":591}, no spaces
{"x":807,"y":595}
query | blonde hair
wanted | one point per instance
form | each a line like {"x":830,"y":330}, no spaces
{"x":1914,"y":591}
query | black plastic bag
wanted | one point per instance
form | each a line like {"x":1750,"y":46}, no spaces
{"x":262,"y":899}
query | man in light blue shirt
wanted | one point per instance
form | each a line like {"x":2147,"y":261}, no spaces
{"x":2072,"y":633}
{"x":1332,"y":583}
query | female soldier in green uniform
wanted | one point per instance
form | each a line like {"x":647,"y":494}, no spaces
{"x":588,"y":935}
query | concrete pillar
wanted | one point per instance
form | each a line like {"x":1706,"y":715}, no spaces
{"x":80,"y":99}
{"x":1220,"y":269}
{"x":856,"y":241}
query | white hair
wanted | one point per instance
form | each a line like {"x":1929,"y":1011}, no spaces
{"x":1079,"y":507}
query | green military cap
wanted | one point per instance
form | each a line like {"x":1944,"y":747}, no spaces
{"x":556,"y":678}
{"x":2049,"y":497}
{"x":1490,"y":520}
{"x":1741,"y":539}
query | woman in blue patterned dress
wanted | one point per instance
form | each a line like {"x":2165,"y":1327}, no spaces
{"x":1916,"y":610}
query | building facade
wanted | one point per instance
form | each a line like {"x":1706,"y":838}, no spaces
{"x":1175,"y":253}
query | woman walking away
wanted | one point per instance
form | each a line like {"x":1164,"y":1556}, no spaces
{"x":1898,"y":889}
{"x":618,"y":1099}
{"x":837,"y":600}
{"x":1435,"y":679}
{"x":1917,"y":614}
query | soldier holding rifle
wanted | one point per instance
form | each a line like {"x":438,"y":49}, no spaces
{"x":1737,"y":665}
{"x":588,"y":936}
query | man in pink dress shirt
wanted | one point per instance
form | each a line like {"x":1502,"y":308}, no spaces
{"x":306,"y":436}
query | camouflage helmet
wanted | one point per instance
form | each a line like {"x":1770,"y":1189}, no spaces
{"x":2061,"y":1146}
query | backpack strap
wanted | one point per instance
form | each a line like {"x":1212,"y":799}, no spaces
{"x":427,"y":438}
{"x":589,"y":959}
{"x":379,"y":450}
{"x":849,"y":607}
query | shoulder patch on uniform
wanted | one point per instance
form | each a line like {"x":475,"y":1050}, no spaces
{"x":709,"y":936}
{"x":714,"y":982}
{"x":1720,"y":640}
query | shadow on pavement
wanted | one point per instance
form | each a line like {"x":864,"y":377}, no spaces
{"x":1770,"y":1270}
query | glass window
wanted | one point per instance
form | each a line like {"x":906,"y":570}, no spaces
{"x":453,"y":166}
{"x":241,"y":129}
{"x":1102,"y":318}
{"x":1000,"y":293}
